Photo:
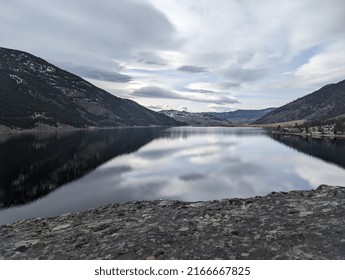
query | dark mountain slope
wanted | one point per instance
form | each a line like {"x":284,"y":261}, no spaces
{"x":325,"y":103}
{"x":34,"y":92}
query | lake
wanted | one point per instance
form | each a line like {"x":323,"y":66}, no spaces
{"x":48,"y":174}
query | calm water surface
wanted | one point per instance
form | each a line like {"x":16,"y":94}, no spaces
{"x":49,"y":174}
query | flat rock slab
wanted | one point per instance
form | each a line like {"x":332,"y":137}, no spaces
{"x":293,"y":225}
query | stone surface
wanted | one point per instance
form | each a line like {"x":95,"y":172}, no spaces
{"x":293,"y":225}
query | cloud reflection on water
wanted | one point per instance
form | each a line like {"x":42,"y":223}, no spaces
{"x":191,"y":164}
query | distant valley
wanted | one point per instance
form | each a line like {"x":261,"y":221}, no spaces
{"x":218,"y":118}
{"x":243,"y":116}
{"x":196,"y":119}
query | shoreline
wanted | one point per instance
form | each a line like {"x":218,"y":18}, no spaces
{"x":304,"y":224}
{"x":312,"y":135}
{"x":67,"y":129}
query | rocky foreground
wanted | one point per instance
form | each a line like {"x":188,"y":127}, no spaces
{"x":293,"y":225}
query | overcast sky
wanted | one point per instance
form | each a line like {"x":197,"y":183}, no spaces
{"x":199,"y":55}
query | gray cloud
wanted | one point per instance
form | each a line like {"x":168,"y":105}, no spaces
{"x":86,"y":31}
{"x":228,"y":85}
{"x":150,"y":62}
{"x":211,"y":58}
{"x":240,"y":75}
{"x":192,"y":177}
{"x":199,"y":90}
{"x":102,"y":75}
{"x":157,"y":92}
{"x":192,"y":69}
{"x":108,"y":76}
{"x":150,"y":58}
{"x":242,"y":57}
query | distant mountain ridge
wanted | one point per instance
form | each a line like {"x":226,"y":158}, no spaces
{"x":35,"y":93}
{"x":325,"y":103}
{"x":243,"y":116}
{"x":217,"y":118}
{"x":196,"y":119}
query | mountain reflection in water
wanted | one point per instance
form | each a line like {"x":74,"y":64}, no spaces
{"x":327,"y":149}
{"x":76,"y":171}
{"x":34,"y":164}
